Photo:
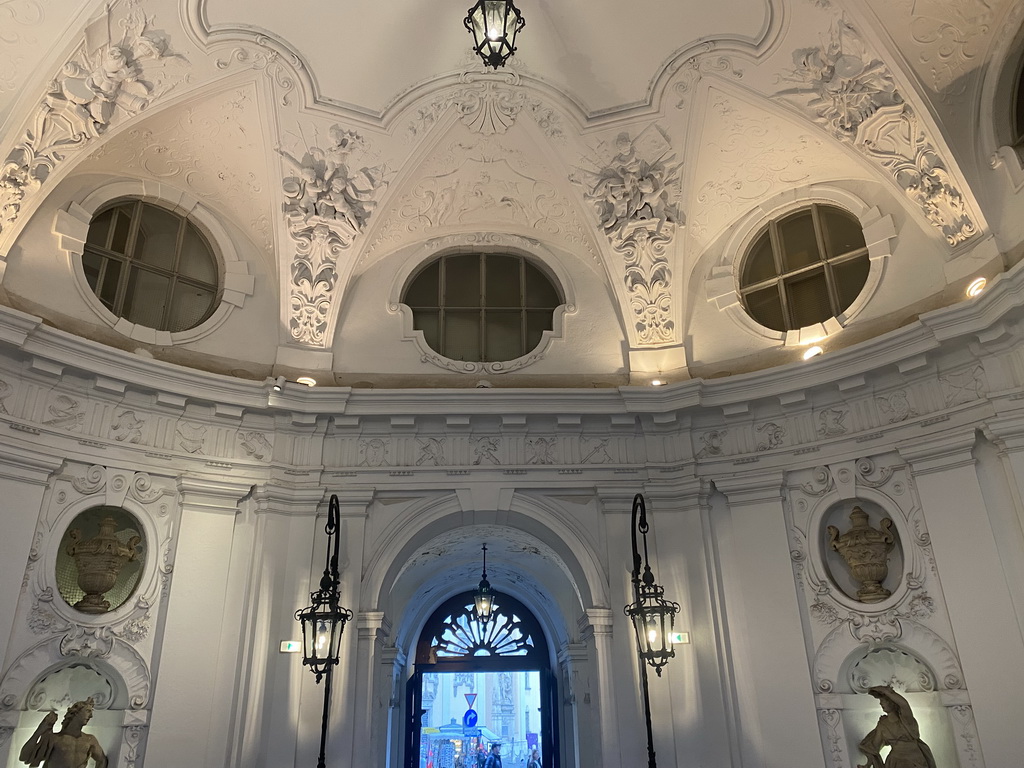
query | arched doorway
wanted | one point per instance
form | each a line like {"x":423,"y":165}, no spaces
{"x":475,"y":684}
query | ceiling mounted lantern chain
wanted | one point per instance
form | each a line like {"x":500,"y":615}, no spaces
{"x":494,"y":25}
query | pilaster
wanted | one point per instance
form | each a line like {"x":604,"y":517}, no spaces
{"x":981,"y":610}
{"x":765,"y":638}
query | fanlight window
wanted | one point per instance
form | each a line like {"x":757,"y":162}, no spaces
{"x":454,"y":638}
{"x":464,"y":635}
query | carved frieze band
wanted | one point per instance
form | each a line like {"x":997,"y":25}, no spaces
{"x":852,"y":94}
{"x":633,"y":187}
{"x":120,"y":67}
{"x":327,"y":207}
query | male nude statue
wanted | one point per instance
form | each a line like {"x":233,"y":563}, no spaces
{"x":68,"y":747}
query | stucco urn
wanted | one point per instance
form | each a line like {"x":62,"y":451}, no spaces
{"x":866,"y":552}
{"x":99,"y":561}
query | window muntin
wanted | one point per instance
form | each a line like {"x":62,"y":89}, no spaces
{"x":482,"y":307}
{"x":151,"y":267}
{"x":1018,"y":106}
{"x":804,"y":268}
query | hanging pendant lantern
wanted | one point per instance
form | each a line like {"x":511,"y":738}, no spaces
{"x":483,"y":598}
{"x":494,"y":25}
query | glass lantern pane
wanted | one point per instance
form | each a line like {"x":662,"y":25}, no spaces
{"x":494,"y":10}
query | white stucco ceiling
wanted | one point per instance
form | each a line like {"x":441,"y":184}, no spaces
{"x":603,"y":52}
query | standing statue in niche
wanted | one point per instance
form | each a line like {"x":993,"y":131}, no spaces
{"x":68,"y":747}
{"x":898,"y":730}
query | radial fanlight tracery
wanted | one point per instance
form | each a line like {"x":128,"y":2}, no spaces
{"x":464,"y":635}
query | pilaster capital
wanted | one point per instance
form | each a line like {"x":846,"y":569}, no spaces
{"x":598,"y":621}
{"x":26,"y":464}
{"x":287,"y":499}
{"x":373,"y":625}
{"x":752,"y":487}
{"x":211,"y":495}
{"x":1006,"y":432}
{"x":354,"y":501}
{"x":938,"y":453}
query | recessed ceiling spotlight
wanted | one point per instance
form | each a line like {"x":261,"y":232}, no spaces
{"x":812,"y":352}
{"x":657,"y":383}
{"x":976,"y":287}
{"x":309,"y":381}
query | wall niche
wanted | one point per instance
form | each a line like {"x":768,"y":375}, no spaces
{"x":862,"y":551}
{"x":100,"y":560}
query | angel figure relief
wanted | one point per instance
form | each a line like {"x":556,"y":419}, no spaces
{"x":324,"y":190}
{"x":635,"y":182}
{"x":107,"y":75}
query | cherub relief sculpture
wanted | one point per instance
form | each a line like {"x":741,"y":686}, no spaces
{"x":324,"y":190}
{"x":898,"y":730}
{"x":634,"y":188}
{"x":68,"y":747}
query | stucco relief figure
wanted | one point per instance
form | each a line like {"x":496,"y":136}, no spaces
{"x":324,"y":189}
{"x":898,"y":730}
{"x":631,"y":188}
{"x":845,"y":83}
{"x":68,"y":747}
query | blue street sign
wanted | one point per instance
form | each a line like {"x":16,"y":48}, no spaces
{"x":469,"y":719}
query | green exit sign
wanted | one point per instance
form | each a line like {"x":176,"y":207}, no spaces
{"x":679,"y":638}
{"x":291,"y":646}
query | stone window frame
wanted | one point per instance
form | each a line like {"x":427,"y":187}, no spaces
{"x":488,"y":243}
{"x":723,"y":286}
{"x":71,"y":226}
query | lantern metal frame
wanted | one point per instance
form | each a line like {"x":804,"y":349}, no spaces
{"x":323,"y":622}
{"x":648,"y":614}
{"x":494,"y":25}
{"x":483,"y":597}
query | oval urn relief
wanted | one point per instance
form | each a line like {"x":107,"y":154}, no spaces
{"x":865,"y":550}
{"x":100,"y":560}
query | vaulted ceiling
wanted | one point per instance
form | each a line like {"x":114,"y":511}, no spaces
{"x":736,"y":111}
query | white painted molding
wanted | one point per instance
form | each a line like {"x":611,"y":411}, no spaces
{"x":71,"y":226}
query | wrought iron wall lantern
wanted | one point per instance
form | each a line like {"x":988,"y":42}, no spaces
{"x":494,"y":25}
{"x":653,"y":617}
{"x":483,"y":598}
{"x":323,"y":622}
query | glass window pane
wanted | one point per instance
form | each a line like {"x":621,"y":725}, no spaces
{"x":760,"y":264}
{"x":99,"y":230}
{"x":842,"y":233}
{"x":190,"y":305}
{"x":92,"y":264}
{"x":502,"y":289}
{"x":462,"y":281}
{"x":850,"y":277}
{"x":427,"y":321}
{"x":1019,"y":112}
{"x":122,"y":227}
{"x":157,"y":238}
{"x":109,"y":278}
{"x":462,"y":335}
{"x":765,"y":306}
{"x":196,"y":260}
{"x":423,"y":291}
{"x":808,"y":298}
{"x":797,"y":241}
{"x":504,"y":335}
{"x":540,"y":292}
{"x":145,"y":299}
{"x":536,"y":323}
